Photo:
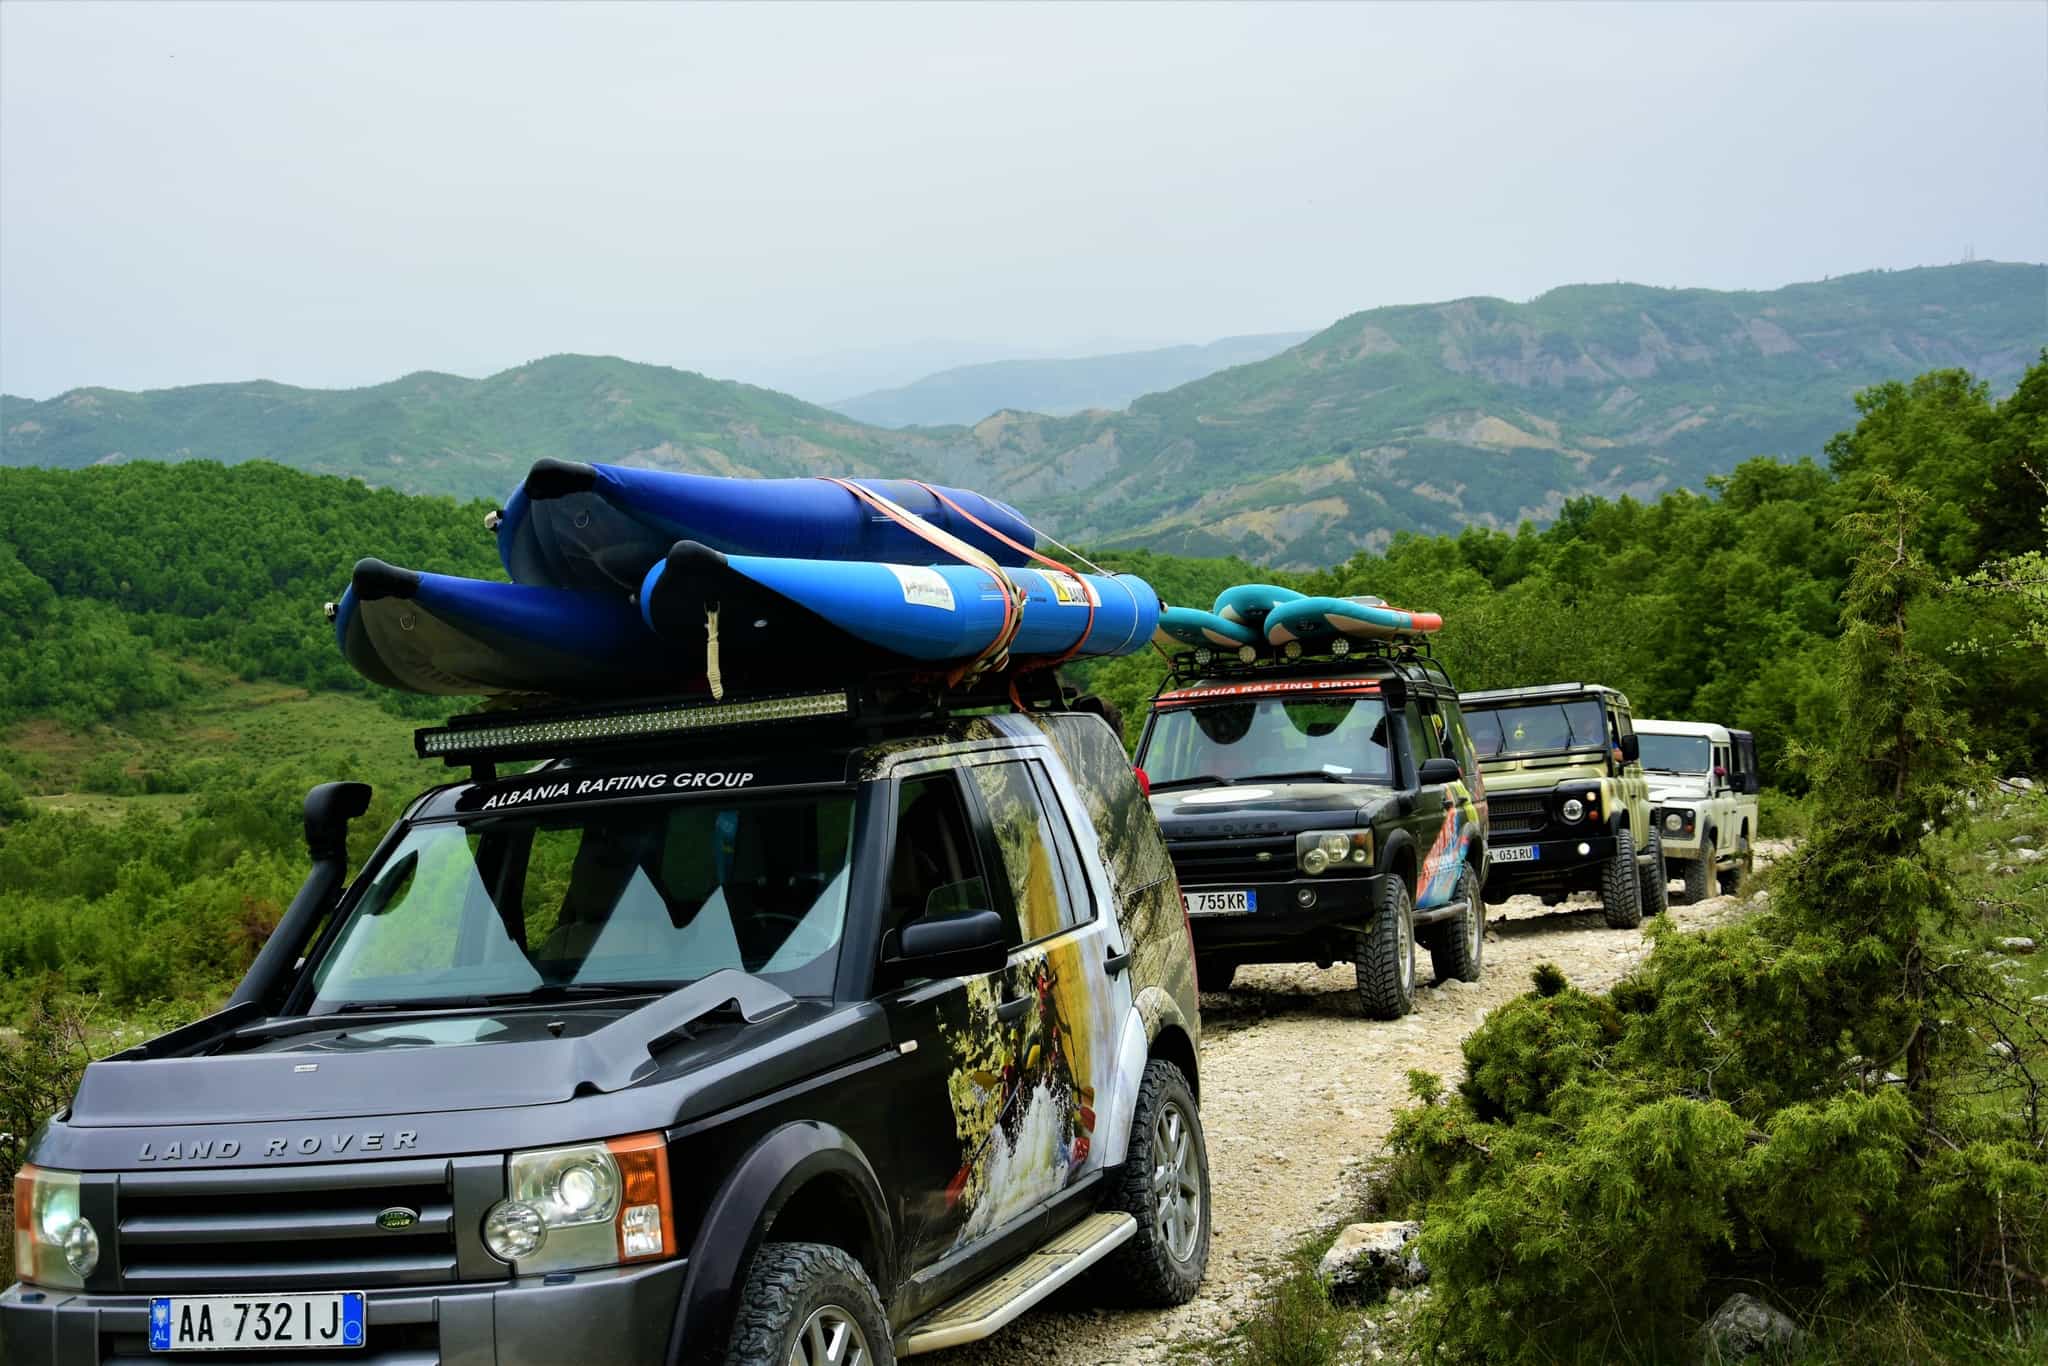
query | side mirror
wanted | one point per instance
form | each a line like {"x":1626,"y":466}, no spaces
{"x":1631,"y":747}
{"x":1438,"y":772}
{"x":970,"y":945}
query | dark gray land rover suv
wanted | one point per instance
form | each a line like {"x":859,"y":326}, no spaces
{"x":761,"y":1032}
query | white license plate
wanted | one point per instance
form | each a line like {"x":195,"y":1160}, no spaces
{"x":1511,"y":853}
{"x":1220,"y":903}
{"x":244,"y":1323}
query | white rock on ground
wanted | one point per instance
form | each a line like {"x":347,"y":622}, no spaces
{"x":2017,"y":944}
{"x":1744,"y":1328}
{"x":1369,"y":1258}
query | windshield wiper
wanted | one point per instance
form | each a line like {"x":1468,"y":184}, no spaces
{"x":1208,"y":779}
{"x":1311,"y":774}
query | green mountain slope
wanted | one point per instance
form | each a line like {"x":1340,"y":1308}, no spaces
{"x":968,"y":393}
{"x":1483,"y":411}
{"x":434,"y":433}
{"x":1425,"y":417}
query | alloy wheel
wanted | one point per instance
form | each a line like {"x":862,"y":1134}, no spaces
{"x":830,"y":1337}
{"x":1176,"y":1184}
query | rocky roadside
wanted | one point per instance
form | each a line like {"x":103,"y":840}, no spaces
{"x":1298,"y":1092}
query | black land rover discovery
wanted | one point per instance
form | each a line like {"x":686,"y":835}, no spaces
{"x":1322,"y":810}
{"x":833,"y":1038}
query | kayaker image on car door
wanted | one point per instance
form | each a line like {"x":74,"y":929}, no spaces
{"x":1028,"y":1067}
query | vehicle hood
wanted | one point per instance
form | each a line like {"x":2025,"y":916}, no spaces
{"x":1541,"y":773}
{"x":1252,"y":807}
{"x":648,"y":1068}
{"x":1667,"y":787}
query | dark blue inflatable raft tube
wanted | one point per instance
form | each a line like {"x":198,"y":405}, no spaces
{"x":571,"y":525}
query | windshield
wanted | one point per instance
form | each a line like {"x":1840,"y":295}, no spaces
{"x":1676,"y":753}
{"x":1537,"y":728}
{"x":641,"y":895}
{"x":1337,"y":738}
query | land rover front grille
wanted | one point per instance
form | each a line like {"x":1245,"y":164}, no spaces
{"x":1517,"y":815}
{"x":286,"y":1228}
{"x":1233,"y":863}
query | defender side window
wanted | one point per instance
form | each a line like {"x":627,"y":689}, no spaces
{"x":933,"y":870}
{"x":1024,"y":836}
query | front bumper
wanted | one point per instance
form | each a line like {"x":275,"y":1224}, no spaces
{"x":1554,"y":859}
{"x":1339,"y":902}
{"x":615,"y":1314}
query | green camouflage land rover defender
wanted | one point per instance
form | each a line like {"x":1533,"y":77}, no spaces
{"x":1570,"y":808}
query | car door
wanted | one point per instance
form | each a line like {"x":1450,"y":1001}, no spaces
{"x":1442,"y":823}
{"x":1632,"y":785}
{"x":944,"y":1029}
{"x":1058,"y":1017}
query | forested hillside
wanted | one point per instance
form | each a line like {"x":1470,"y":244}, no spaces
{"x":1426,"y":418}
{"x":165,"y":664}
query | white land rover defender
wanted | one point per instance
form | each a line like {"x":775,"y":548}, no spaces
{"x":1703,"y":794}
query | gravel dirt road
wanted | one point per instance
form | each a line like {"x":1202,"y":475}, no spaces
{"x":1298,"y":1091}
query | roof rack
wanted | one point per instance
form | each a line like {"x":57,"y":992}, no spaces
{"x":1341,"y":653}
{"x":551,"y":729}
{"x":1535,"y":690}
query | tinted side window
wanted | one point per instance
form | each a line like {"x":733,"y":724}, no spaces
{"x":934,"y":871}
{"x":1422,"y":742}
{"x":1460,"y":741}
{"x":1024,"y":838}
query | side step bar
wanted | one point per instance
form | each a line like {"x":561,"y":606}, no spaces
{"x":1450,"y":910}
{"x":993,"y":1303}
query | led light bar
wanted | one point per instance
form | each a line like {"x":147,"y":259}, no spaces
{"x":486,"y":737}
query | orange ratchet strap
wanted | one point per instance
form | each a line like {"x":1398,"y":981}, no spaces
{"x":1087,"y":594}
{"x":997,"y":651}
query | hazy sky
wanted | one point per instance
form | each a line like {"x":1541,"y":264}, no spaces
{"x":831,"y":198}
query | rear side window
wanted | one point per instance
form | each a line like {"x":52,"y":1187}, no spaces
{"x":1025,"y":842}
{"x":1460,"y":740}
{"x":1422,"y":741}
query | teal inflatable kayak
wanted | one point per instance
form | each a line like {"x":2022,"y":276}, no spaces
{"x":1317,"y":619}
{"x":1191,"y":626}
{"x":598,"y":527}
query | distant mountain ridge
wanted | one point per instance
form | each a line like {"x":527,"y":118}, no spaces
{"x":968,"y":393}
{"x":1424,"y":417}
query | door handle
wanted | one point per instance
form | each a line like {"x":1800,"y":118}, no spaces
{"x":1117,"y":962}
{"x":1012,"y":1010}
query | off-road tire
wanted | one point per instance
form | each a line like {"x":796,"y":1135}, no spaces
{"x":787,"y":1283}
{"x":1621,"y":885}
{"x":1457,"y":947}
{"x":1655,"y":877}
{"x":1384,"y":953}
{"x":1214,"y":974}
{"x":1144,"y":1272}
{"x":1699,"y":872}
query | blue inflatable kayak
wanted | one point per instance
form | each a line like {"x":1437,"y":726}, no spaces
{"x":1314,"y":619}
{"x":435,"y":633}
{"x":572,"y":525}
{"x":835,"y":614}
{"x":1183,"y":626}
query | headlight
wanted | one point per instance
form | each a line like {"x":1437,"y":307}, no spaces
{"x":1674,"y":822}
{"x":53,"y":1243}
{"x":1320,"y":850}
{"x":594,"y":1204}
{"x":1572,"y":809}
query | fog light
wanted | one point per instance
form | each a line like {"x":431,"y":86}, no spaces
{"x":1314,"y":861}
{"x":1573,"y":809}
{"x":1291,"y":650}
{"x":514,"y":1230}
{"x":1304,"y":897}
{"x":81,"y":1247}
{"x":1585,"y":849}
{"x":1674,"y":822}
{"x":1247,"y":653}
{"x":1340,"y":647}
{"x":1204,"y":657}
